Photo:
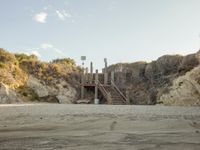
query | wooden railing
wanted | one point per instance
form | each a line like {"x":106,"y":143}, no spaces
{"x":117,"y":89}
{"x":103,"y":90}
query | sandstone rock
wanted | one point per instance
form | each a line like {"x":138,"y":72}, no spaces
{"x":188,"y":63}
{"x":66,"y":95}
{"x":148,"y":83}
{"x":8,"y":95}
{"x":38,"y":88}
{"x":185,"y":90}
{"x":61,"y":92}
{"x":168,"y":64}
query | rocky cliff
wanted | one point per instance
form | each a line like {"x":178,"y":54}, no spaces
{"x":24,"y":78}
{"x":170,"y":80}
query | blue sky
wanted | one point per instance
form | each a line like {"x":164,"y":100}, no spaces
{"x":119,"y":30}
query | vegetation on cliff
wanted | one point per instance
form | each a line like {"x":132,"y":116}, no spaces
{"x":15,"y":70}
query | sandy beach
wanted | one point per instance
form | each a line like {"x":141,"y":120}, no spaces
{"x":98,"y":127}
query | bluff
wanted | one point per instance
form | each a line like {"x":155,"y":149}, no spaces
{"x":170,"y":80}
{"x":24,"y":78}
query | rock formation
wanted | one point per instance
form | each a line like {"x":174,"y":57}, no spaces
{"x":25,"y":79}
{"x":171,"y":80}
{"x":185,"y":90}
{"x":8,"y":95}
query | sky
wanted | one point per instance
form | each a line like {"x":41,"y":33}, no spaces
{"x":119,"y":30}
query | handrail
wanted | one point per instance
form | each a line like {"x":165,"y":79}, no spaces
{"x":104,"y":90}
{"x":119,"y":91}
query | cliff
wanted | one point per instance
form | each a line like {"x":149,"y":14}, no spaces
{"x":31,"y":80}
{"x":170,"y":80}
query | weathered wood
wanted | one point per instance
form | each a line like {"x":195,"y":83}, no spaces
{"x":96,"y":84}
{"x":106,"y":64}
{"x":91,"y":72}
{"x":105,"y":72}
{"x":113,"y":76}
{"x":86,"y":75}
{"x":82,"y":85}
{"x":105,"y":78}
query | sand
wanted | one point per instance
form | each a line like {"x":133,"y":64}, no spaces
{"x":98,"y":127}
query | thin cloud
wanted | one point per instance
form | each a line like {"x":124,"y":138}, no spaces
{"x":62,"y":15}
{"x":59,"y":51}
{"x":51,"y":47}
{"x":46,"y":46}
{"x":41,"y":17}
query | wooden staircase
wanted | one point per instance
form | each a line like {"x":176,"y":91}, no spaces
{"x":112,"y":94}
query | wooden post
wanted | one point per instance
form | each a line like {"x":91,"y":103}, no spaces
{"x":105,"y":72}
{"x":106,"y":64}
{"x":113,"y":76}
{"x":105,"y":78}
{"x":96,"y":87}
{"x":86,"y":75}
{"x":91,"y":72}
{"x":82,"y":84}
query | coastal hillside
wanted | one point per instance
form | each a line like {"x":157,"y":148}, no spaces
{"x":24,"y":78}
{"x":169,"y":80}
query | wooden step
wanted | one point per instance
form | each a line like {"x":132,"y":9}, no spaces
{"x":117,"y":99}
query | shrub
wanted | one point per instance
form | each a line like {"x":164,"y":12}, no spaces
{"x":2,"y":65}
{"x":21,"y":57}
{"x":65,"y":61}
{"x":6,"y":57}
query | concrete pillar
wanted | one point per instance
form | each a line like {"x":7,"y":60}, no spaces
{"x":96,"y":87}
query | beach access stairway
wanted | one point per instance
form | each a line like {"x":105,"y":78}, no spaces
{"x":112,"y":94}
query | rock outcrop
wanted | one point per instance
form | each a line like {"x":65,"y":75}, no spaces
{"x":185,"y":90}
{"x":61,"y":92}
{"x":25,"y":78}
{"x":8,"y":95}
{"x":149,"y":83}
{"x":171,"y":80}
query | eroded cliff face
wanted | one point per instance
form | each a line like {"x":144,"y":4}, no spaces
{"x":185,"y":90}
{"x":61,"y":92}
{"x":155,"y":82}
{"x":8,"y":95}
{"x":170,"y":80}
{"x":24,"y":78}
